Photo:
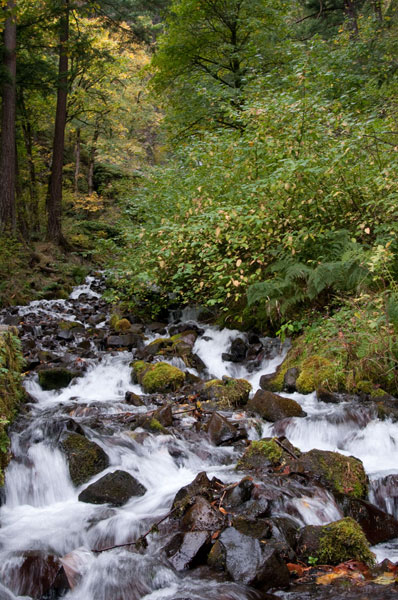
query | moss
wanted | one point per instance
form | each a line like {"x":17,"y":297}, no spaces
{"x":341,"y":474}
{"x":139,"y":368}
{"x":344,"y":540}
{"x":114,"y":318}
{"x":68,"y":325}
{"x":261,"y":454}
{"x":11,"y":391}
{"x":122,"y":325}
{"x":162,"y":377}
{"x":55,"y":379}
{"x":228,"y":392}
{"x":155,"y":425}
{"x":269,"y":448}
{"x":316,"y":371}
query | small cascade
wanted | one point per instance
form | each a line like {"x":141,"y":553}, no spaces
{"x":44,"y":521}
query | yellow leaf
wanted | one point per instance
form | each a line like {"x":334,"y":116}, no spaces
{"x":218,"y":231}
{"x":238,"y":262}
{"x":367,"y":230}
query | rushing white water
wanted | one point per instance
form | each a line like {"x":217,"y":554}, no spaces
{"x":42,"y":511}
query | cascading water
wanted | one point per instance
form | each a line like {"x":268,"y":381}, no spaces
{"x":42,"y":514}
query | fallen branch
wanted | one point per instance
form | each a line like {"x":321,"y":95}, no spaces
{"x":141,"y":540}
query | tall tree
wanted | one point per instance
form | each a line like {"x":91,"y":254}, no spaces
{"x":8,"y":143}
{"x":54,"y":198}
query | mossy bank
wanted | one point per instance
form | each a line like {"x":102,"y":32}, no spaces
{"x":11,"y":391}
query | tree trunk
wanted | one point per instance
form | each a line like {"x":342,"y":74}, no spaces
{"x":54,"y":197}
{"x":77,"y":158}
{"x":378,"y":9}
{"x":8,"y":142}
{"x":351,"y":12}
{"x":91,"y":162}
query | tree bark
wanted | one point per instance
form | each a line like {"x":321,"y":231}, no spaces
{"x":77,"y":158}
{"x":8,"y":142}
{"x":54,"y":197}
{"x":91,"y":162}
{"x":351,"y":12}
{"x":378,"y":9}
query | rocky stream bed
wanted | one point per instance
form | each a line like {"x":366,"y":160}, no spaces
{"x":151,"y":461}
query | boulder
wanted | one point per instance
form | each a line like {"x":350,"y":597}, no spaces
{"x":201,"y":517}
{"x":159,"y":377}
{"x":126,"y":340}
{"x":272,"y":407}
{"x":290,"y":378}
{"x":248,"y":562}
{"x":334,"y":543}
{"x":186,"y":496}
{"x":133,"y":399}
{"x":220,"y":431}
{"x":86,"y":458}
{"x":164,"y":415}
{"x":324,"y":395}
{"x":34,"y":574}
{"x":338,"y":473}
{"x":114,"y":488}
{"x":188,"y":549}
{"x":237,"y":352}
{"x":56,"y":378}
{"x":266,"y":454}
{"x":377,"y":525}
{"x":227,"y":392}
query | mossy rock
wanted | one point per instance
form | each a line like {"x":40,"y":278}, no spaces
{"x":139,"y":368}
{"x":335,"y":543}
{"x":340,"y":474}
{"x":266,"y":454}
{"x":162,"y":377}
{"x":122,"y":325}
{"x":11,"y":391}
{"x":179,"y":345}
{"x":228,"y":392}
{"x":369,"y":388}
{"x":315,"y":371}
{"x":85,"y":458}
{"x":55,"y":379}
{"x":69,"y":325}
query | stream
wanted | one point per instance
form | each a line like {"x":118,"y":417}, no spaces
{"x":42,"y":519}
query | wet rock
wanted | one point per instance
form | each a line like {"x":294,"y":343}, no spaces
{"x":33,"y":574}
{"x":65,"y":335}
{"x":248,"y":562}
{"x":186,"y":550}
{"x":252,"y":527}
{"x":272,"y":407}
{"x":227,"y":392}
{"x":127,"y":340}
{"x":325,"y":395}
{"x":237,"y":352}
{"x":284,"y":533}
{"x":157,"y":327}
{"x":57,"y":378}
{"x":133,"y":399}
{"x":334,"y":543}
{"x":266,"y":381}
{"x":114,"y":489}
{"x":239,"y":494}
{"x":86,"y":458}
{"x":164,"y":415}
{"x":290,"y":378}
{"x":220,"y":430}
{"x":338,"y":473}
{"x":377,"y":525}
{"x":185,"y":497}
{"x":201,"y":517}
